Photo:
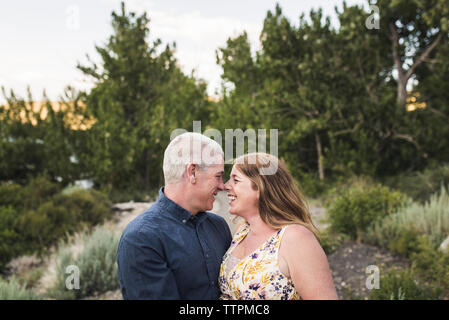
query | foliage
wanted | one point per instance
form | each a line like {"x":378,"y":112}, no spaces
{"x":148,"y":195}
{"x":43,"y":215}
{"x":330,"y":241}
{"x":11,"y":290}
{"x":31,"y":143}
{"x":96,"y":260}
{"x":432,"y":264}
{"x":9,"y":247}
{"x":430,"y":219}
{"x":421,"y":185}
{"x":140,"y":96}
{"x":404,"y":243}
{"x":336,"y":95}
{"x":358,"y":208}
{"x":331,"y":93}
{"x":402,"y":285}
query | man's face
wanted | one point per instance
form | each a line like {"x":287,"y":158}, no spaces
{"x":208,"y":183}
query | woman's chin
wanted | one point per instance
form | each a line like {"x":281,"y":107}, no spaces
{"x":233,"y":212}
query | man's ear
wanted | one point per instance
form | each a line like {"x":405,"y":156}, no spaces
{"x":191,"y":171}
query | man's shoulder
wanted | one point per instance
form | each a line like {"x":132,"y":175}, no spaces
{"x":216,"y":219}
{"x":145,"y":224}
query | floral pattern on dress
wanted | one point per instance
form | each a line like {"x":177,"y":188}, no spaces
{"x":257,"y":276}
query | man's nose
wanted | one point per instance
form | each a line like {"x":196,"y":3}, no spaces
{"x":221,"y":186}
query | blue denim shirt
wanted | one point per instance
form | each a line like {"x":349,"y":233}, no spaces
{"x":168,"y":253}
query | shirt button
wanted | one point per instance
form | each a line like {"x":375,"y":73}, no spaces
{"x":184,"y":221}
{"x":207,"y":256}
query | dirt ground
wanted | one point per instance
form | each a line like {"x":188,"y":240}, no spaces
{"x":349,"y":268}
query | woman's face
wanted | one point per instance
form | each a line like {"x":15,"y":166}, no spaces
{"x":243,"y":199}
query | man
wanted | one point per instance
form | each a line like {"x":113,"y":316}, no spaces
{"x":175,"y":248}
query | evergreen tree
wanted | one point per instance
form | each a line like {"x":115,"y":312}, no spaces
{"x":140,"y":96}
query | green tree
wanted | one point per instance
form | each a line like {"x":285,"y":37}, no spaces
{"x":140,"y":96}
{"x":33,"y":142}
{"x":414,"y":29}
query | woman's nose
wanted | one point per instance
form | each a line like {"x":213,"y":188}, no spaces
{"x":226,"y":186}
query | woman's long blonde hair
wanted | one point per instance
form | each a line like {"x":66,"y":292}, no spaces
{"x":280,"y":201}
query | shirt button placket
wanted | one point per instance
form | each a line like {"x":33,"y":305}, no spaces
{"x":205,"y":248}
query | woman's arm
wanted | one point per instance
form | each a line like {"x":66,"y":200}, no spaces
{"x":307,"y":263}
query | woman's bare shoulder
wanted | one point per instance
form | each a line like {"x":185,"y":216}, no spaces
{"x":299,"y":239}
{"x":297,"y":232}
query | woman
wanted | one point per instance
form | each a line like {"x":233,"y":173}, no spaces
{"x":275,"y":254}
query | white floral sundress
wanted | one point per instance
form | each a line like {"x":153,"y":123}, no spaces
{"x":257,"y":276}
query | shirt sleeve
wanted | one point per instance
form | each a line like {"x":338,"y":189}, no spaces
{"x":142,"y":270}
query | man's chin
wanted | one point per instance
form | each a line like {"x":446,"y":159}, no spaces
{"x":209,"y":207}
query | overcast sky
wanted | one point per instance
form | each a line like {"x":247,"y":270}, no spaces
{"x":42,"y":41}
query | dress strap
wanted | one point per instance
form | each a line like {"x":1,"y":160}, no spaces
{"x":281,"y":234}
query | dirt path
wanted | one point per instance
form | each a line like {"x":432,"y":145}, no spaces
{"x":349,"y":267}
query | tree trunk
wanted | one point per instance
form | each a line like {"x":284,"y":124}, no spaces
{"x":402,"y":78}
{"x":405,"y":75}
{"x":320,"y":156}
{"x":402,"y":90}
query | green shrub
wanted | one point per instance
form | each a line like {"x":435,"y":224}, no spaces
{"x":96,"y":261}
{"x":421,"y":185}
{"x":359,"y":207}
{"x":40,"y":217}
{"x":139,"y":195}
{"x":330,"y":241}
{"x":89,"y":206}
{"x":42,"y":227}
{"x":403,"y":285}
{"x":430,"y":219}
{"x":38,"y":190}
{"x":311,"y":185}
{"x":31,"y":278}
{"x":12,"y":290}
{"x":11,"y":194}
{"x":405,"y":243}
{"x":431,"y":264}
{"x":63,"y":215}
{"x":10,"y":245}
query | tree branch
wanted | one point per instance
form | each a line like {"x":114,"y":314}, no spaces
{"x":395,"y":41}
{"x":423,"y":56}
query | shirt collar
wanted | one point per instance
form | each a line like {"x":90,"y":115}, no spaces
{"x":176,"y":211}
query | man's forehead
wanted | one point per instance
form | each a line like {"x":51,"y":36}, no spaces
{"x":217,"y":168}
{"x":216,"y":162}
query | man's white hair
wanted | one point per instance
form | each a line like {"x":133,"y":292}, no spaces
{"x":189,"y":147}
